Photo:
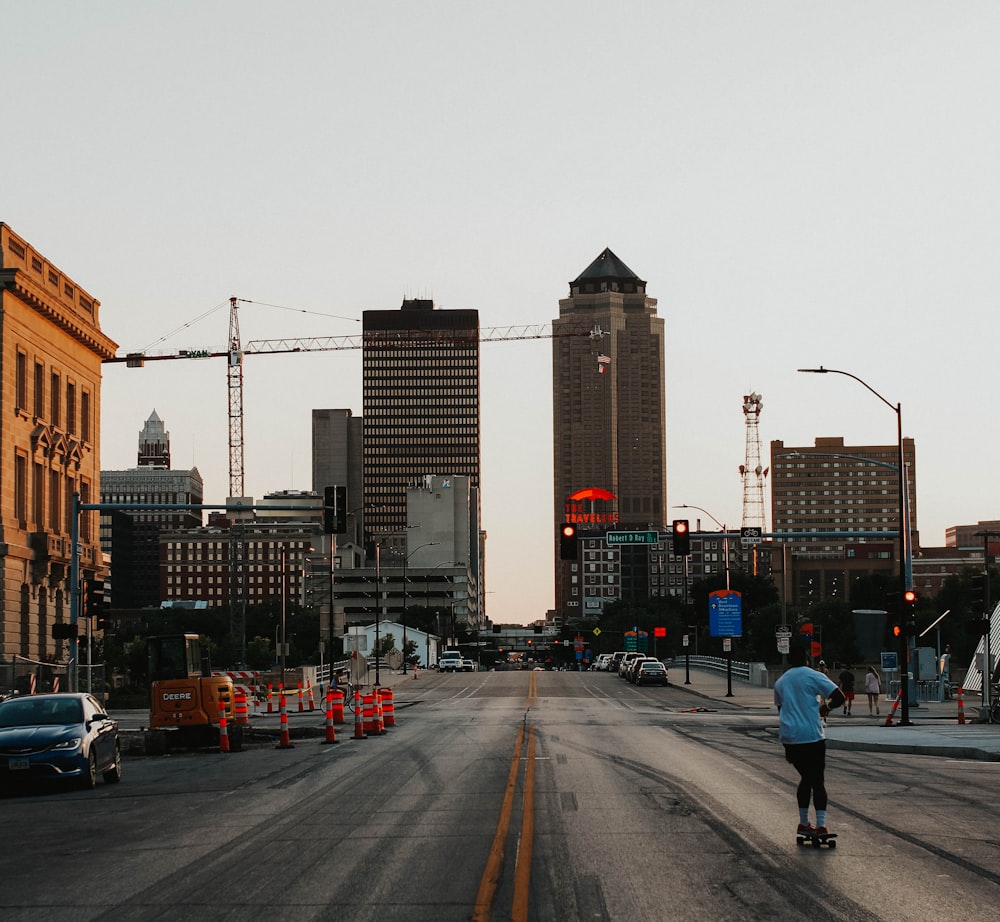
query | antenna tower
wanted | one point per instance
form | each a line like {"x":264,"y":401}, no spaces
{"x":751,"y":471}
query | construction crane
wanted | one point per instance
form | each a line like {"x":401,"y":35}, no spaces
{"x":235,"y":353}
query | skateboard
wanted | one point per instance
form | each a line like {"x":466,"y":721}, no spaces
{"x":805,"y":838}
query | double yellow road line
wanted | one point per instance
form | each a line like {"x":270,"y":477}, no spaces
{"x":522,"y":863}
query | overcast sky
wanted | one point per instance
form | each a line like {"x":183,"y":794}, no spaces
{"x":800,"y":183}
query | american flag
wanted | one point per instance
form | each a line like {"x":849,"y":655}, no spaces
{"x":602,"y":362}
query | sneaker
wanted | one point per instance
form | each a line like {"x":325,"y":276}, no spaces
{"x":806,"y":830}
{"x":821,"y":831}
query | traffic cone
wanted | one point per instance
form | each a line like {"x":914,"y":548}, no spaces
{"x":312,"y":704}
{"x":359,"y":726}
{"x":892,"y":712}
{"x":331,"y":735}
{"x":284,"y":738}
{"x":223,"y":729}
{"x":270,"y":702}
{"x":414,"y":670}
{"x":379,"y":716}
{"x":301,"y":708}
{"x":961,"y":707}
{"x":338,"y":705}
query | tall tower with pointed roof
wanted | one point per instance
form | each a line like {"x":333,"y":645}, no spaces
{"x":609,"y":419}
{"x":154,"y":444}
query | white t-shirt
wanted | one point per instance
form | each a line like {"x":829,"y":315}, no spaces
{"x":797,"y":695}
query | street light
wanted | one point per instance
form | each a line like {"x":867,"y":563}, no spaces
{"x":725,"y":554}
{"x":725,"y":535}
{"x":904,"y":542}
{"x":406,"y":560}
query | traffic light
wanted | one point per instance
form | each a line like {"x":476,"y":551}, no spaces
{"x":567,"y":541}
{"x":335,"y":510}
{"x":897,"y":630}
{"x":979,"y":605}
{"x":682,"y":538}
{"x":909,"y":612}
{"x":94,"y":598}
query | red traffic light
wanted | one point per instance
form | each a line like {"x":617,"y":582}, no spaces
{"x":897,"y":629}
{"x":568,"y":530}
{"x":910,"y":597}
{"x":680,"y":527}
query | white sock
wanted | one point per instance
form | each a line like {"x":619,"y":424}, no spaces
{"x":821,"y":817}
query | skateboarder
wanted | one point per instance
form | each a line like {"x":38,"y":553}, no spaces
{"x":804,"y":697}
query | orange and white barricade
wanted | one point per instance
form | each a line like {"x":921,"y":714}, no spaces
{"x":892,"y":711}
{"x":388,"y":707}
{"x":961,"y":707}
{"x":240,"y":707}
{"x":338,"y":705}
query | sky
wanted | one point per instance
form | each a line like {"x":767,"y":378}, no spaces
{"x":800,"y":184}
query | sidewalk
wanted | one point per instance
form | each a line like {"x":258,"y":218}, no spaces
{"x":934,"y":729}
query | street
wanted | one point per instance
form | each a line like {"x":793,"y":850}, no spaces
{"x":511,"y":795}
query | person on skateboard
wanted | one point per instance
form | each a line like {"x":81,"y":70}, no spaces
{"x":804,"y":696}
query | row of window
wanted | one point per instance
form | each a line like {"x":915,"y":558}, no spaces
{"x":43,"y":498}
{"x":53,"y":404}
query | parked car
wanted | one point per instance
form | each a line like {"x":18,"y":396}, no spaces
{"x":601,"y":662}
{"x":633,"y":666}
{"x":626,"y":660}
{"x":615,"y":660}
{"x":58,"y":737}
{"x":651,"y":672}
{"x":468,"y":665}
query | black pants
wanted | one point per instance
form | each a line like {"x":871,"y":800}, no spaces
{"x":809,"y":760}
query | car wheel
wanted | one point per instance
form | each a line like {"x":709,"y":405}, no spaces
{"x":88,"y":781}
{"x":114,"y":774}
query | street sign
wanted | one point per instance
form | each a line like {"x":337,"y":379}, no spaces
{"x":725,"y":613}
{"x":783,"y":644}
{"x":751,"y":536}
{"x":686,"y":642}
{"x":782,"y":631}
{"x":727,"y":644}
{"x":597,"y":632}
{"x":632,"y":537}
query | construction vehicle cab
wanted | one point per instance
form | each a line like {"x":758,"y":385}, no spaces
{"x":185,"y":696}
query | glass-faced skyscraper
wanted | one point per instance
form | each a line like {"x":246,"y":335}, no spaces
{"x":608,"y":402}
{"x":421,"y":406}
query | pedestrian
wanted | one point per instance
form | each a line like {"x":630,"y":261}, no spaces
{"x":800,"y":731}
{"x":846,"y":679}
{"x":821,"y":666}
{"x":873,"y":688}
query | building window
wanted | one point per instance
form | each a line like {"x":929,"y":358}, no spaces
{"x":55,"y":385}
{"x":54,"y":496}
{"x":39,"y":395}
{"x":22,"y":380}
{"x":70,"y":408}
{"x":38,"y":496}
{"x":85,"y":416}
{"x":21,"y":489}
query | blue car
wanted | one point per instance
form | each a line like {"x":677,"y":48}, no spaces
{"x":58,"y":737}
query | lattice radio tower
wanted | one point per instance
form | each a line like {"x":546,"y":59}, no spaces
{"x":751,"y":471}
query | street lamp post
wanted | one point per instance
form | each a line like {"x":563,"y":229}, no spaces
{"x":904,"y":539}
{"x":725,"y":556}
{"x":406,"y":560}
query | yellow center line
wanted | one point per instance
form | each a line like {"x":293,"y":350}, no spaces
{"x":491,"y":873}
{"x":522,"y":865}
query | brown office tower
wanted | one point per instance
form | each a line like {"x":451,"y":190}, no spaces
{"x":608,"y":399}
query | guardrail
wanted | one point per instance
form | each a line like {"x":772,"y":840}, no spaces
{"x":751,"y":673}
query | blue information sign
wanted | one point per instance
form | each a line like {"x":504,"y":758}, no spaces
{"x":725,"y":613}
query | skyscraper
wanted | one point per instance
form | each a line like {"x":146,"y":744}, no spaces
{"x":132,"y":536}
{"x":421,"y":406}
{"x":608,"y":401}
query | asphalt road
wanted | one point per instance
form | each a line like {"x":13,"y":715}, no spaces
{"x":510,"y":795}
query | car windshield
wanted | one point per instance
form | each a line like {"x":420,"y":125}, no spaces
{"x":32,"y":711}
